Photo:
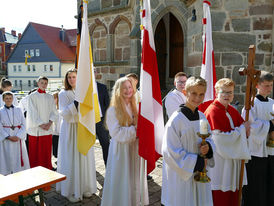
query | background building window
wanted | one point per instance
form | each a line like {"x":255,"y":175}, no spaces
{"x":37,"y":52}
{"x":20,"y":82}
{"x":26,"y":51}
{"x":19,"y":68}
{"x":15,"y":83}
{"x":29,"y":83}
{"x":32,"y":52}
{"x":34,"y":83}
{"x":14,"y":68}
{"x":33,"y":68}
{"x":28,"y":68}
{"x":45,"y":68}
{"x":51,"y":68}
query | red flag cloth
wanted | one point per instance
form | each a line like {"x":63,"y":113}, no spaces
{"x":150,"y":127}
{"x":208,"y":71}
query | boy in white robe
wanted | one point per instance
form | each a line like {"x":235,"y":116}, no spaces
{"x":260,"y":169}
{"x":175,"y":98}
{"x":13,"y":153}
{"x":41,"y":114}
{"x":182,"y":152}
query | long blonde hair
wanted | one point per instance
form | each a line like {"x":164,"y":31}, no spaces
{"x":118,"y":103}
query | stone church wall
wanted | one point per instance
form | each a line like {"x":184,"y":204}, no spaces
{"x":114,"y":28}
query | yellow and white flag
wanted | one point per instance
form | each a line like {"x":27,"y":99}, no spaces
{"x":86,"y":91}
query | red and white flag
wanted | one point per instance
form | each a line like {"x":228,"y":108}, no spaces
{"x":208,"y":71}
{"x":150,"y":127}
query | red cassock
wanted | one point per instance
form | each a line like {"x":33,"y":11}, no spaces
{"x":40,"y":151}
{"x":216,"y":116}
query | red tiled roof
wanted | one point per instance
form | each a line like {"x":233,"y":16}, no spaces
{"x":65,"y":51}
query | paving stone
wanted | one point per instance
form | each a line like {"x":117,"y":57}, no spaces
{"x":53,"y":198}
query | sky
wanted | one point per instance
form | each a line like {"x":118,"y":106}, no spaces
{"x":16,"y":14}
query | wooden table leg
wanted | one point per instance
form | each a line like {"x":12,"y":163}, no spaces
{"x":21,"y":200}
{"x":41,"y":197}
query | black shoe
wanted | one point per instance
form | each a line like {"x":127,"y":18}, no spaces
{"x":149,"y":177}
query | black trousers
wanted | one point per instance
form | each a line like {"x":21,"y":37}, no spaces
{"x":103,"y":136}
{"x":55,"y":139}
{"x":255,"y":193}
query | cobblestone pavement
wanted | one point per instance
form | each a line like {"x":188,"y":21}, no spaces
{"x":53,"y":198}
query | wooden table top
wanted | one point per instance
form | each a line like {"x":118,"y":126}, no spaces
{"x":25,"y":182}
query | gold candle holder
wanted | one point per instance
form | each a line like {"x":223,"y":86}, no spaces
{"x":270,"y":140}
{"x":202,"y":176}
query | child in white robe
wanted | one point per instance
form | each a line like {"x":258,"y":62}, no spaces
{"x":13,"y":152}
{"x":122,"y":179}
{"x":260,"y":169}
{"x":6,"y":85}
{"x":182,"y":152}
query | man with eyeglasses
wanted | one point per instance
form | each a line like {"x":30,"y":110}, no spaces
{"x":175,"y":98}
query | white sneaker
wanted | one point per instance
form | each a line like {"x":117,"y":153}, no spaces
{"x":73,"y":199}
{"x":87,"y":194}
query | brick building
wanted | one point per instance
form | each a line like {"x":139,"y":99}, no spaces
{"x":7,"y":43}
{"x":114,"y":28}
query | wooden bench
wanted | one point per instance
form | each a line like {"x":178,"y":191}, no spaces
{"x":24,"y":183}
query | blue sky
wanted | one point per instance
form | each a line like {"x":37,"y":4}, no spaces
{"x":16,"y":14}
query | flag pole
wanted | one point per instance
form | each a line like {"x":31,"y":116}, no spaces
{"x":79,"y":28}
{"x":142,"y":166}
{"x":142,"y":184}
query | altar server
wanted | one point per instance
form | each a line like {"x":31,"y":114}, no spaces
{"x":122,"y":179}
{"x":182,"y":152}
{"x":6,"y":85}
{"x":176,"y":97}
{"x":79,"y":169}
{"x":260,"y":169}
{"x":13,"y":152}
{"x":229,"y":132}
{"x":40,"y":116}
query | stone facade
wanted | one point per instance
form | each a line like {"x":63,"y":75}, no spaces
{"x":236,"y":24}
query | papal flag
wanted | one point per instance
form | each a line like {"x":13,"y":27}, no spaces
{"x":86,"y":91}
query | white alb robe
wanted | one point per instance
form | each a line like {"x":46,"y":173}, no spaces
{"x":180,"y":151}
{"x":259,"y":116}
{"x":41,"y":109}
{"x":122,"y":178}
{"x":173,"y":101}
{"x":231,"y":147}
{"x":10,"y":152}
{"x":79,"y":169}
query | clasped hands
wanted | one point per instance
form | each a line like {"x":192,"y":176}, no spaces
{"x":46,"y":126}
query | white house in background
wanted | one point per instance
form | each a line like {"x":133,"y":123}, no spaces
{"x":52,"y":52}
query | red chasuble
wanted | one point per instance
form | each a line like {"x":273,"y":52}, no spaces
{"x":216,"y":116}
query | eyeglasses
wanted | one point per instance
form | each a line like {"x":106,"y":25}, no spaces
{"x":180,"y":82}
{"x":226,"y":93}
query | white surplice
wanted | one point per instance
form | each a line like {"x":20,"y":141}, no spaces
{"x":41,"y":109}
{"x":231,"y":147}
{"x":259,"y":117}
{"x":180,"y":152}
{"x":122,"y":178}
{"x":173,"y":101}
{"x":79,"y":169}
{"x":12,"y":152}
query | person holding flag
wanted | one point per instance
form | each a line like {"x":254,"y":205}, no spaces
{"x":80,"y":111}
{"x":79,"y":169}
{"x":122,"y":178}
